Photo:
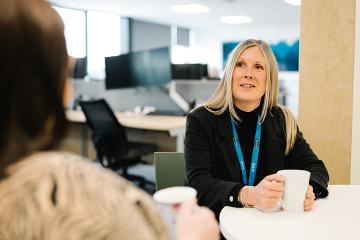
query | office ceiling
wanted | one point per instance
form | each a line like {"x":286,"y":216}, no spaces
{"x":273,"y":12}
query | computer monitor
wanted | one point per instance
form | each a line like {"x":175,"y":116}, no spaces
{"x":145,"y":68}
{"x":189,"y":71}
{"x":80,"y":68}
{"x":118,"y":72}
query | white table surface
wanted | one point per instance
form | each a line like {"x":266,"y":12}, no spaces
{"x":335,"y":217}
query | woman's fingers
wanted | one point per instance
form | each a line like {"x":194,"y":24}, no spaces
{"x":309,"y":192}
{"x":308,"y":204}
{"x":276,"y":186}
{"x":274,"y":194}
{"x":275,"y":177}
{"x":194,"y":222}
{"x":309,"y":199}
{"x":269,"y":191}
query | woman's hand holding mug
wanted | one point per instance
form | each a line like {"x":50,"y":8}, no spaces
{"x":267,"y":194}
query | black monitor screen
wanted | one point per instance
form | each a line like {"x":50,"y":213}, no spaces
{"x":189,"y":71}
{"x":145,"y":68}
{"x":118,"y":72}
{"x":80,"y":68}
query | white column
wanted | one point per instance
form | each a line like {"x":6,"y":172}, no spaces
{"x":355,"y":147}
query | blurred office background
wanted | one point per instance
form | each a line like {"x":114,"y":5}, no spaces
{"x":199,"y":36}
{"x":322,"y":45}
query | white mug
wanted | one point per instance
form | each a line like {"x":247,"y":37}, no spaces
{"x":169,"y":200}
{"x":295,"y":188}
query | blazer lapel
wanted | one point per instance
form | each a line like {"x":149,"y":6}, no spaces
{"x":272,"y":144}
{"x":227,"y":147}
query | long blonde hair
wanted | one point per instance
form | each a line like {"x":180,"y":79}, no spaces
{"x":222,"y":98}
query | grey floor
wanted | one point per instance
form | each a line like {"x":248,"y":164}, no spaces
{"x":146,"y":171}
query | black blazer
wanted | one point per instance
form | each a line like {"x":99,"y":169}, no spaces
{"x":212,"y":167}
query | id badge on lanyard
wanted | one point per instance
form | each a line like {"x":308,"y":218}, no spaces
{"x":255,"y":152}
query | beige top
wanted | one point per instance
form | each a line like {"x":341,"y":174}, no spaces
{"x":53,"y":195}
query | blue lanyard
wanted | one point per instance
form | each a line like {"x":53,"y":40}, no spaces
{"x":255,"y":152}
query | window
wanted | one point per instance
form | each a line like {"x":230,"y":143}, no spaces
{"x":104,"y":32}
{"x":75,"y":31}
{"x":183,"y":50}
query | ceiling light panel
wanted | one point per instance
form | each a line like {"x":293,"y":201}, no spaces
{"x":293,"y":2}
{"x":190,"y":8}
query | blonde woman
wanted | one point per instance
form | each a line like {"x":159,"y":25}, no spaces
{"x":45,"y":194}
{"x":240,"y":127}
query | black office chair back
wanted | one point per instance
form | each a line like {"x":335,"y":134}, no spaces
{"x":113,"y":149}
{"x":99,"y":116}
{"x":108,"y":133}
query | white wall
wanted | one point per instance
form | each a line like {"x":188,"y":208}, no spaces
{"x":355,"y":147}
{"x":208,"y":42}
{"x":290,"y":85}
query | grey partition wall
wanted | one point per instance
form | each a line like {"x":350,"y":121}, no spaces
{"x":146,"y":35}
{"x":195,"y":90}
{"x":125,"y":99}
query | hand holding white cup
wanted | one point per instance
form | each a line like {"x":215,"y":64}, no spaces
{"x":169,"y":200}
{"x":196,"y":223}
{"x":297,"y":196}
{"x":266,"y":194}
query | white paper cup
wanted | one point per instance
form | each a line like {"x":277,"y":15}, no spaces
{"x":168,"y":201}
{"x":295,"y":188}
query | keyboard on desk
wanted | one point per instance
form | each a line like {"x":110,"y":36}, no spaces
{"x":167,"y":113}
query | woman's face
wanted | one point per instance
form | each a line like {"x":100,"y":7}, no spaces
{"x":249,"y":79}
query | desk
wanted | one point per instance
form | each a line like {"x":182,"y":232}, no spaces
{"x":173,"y":125}
{"x":336,"y":217}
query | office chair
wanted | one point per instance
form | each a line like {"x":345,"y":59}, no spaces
{"x":113,"y":149}
{"x":169,"y":169}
